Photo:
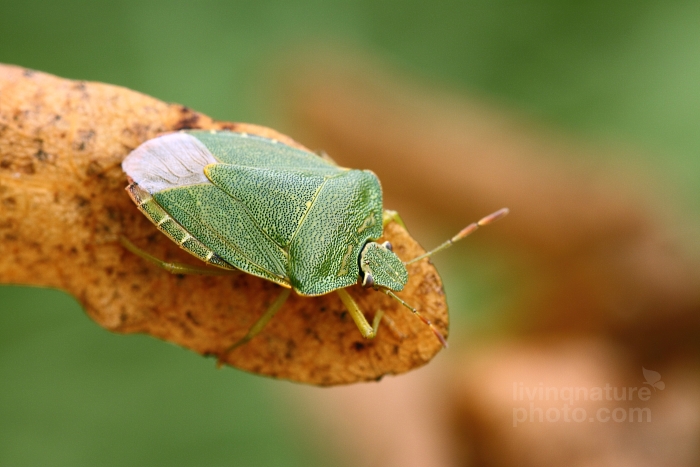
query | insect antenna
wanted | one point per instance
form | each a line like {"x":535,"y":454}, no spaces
{"x":437,"y":333}
{"x":471,"y":228}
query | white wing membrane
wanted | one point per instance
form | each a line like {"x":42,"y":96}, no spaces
{"x":169,"y":161}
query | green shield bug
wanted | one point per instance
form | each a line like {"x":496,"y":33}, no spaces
{"x":247,"y":203}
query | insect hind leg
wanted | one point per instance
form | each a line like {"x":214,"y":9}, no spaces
{"x":176,"y":268}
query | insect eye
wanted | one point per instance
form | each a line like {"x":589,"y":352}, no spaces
{"x":368,"y":280}
{"x":388,"y":246}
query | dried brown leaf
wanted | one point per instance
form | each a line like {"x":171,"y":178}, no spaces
{"x":63,"y":208}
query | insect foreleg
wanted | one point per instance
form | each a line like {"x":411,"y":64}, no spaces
{"x":176,"y":268}
{"x":367,"y":331}
{"x":437,"y":333}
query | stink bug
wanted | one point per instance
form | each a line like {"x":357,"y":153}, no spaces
{"x":246,"y":203}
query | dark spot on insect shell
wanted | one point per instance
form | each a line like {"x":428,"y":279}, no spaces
{"x":322,"y":309}
{"x":109,"y":270}
{"x":343,"y":315}
{"x":359,"y":346}
{"x":5,"y":163}
{"x":395,"y":350}
{"x":188,"y":120}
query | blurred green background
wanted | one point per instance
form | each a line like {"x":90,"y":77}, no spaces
{"x":73,"y":394}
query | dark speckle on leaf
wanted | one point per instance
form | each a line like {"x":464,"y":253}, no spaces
{"x":29,"y":169}
{"x":94,"y":168}
{"x":191,"y":317}
{"x":82,"y":139}
{"x":229,"y":126}
{"x":82,"y":201}
{"x":188,"y":120}
{"x":291,"y":347}
{"x":41,"y":155}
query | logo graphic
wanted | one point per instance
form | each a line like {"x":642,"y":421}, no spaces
{"x":653,"y":379}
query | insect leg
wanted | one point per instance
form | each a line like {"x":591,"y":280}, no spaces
{"x":392,"y":216}
{"x":437,"y":333}
{"x":391,"y":324}
{"x":176,"y":268}
{"x":367,"y":331}
{"x":260,"y":323}
{"x":377,"y":319}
